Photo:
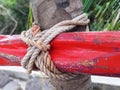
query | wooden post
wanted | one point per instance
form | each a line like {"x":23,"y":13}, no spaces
{"x":49,"y":12}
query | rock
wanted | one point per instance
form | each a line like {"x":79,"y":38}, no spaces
{"x":75,"y":8}
{"x":4,"y":79}
{"x":13,"y":85}
{"x":63,"y":3}
{"x":16,"y":74}
{"x":33,"y":84}
{"x":49,"y":12}
{"x":37,"y":83}
{"x":80,"y":82}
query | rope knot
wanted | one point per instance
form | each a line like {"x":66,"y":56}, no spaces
{"x":37,"y":56}
{"x":43,"y":46}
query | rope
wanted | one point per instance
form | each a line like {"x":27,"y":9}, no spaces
{"x":37,"y":56}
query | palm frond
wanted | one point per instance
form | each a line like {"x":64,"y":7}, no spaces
{"x":104,"y":14}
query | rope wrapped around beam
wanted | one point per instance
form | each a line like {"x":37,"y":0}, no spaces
{"x":37,"y":56}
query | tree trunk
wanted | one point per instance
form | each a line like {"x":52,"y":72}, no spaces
{"x":49,"y":12}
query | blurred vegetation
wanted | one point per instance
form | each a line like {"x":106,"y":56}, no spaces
{"x":30,"y":19}
{"x":104,"y":14}
{"x":13,"y":14}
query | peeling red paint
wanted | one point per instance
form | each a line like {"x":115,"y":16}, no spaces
{"x":95,"y":53}
{"x":12,"y":58}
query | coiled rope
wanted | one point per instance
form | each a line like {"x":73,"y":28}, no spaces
{"x":37,"y":56}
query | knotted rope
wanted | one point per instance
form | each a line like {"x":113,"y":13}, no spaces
{"x":37,"y":56}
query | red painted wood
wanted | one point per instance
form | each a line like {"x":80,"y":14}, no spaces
{"x":79,"y":52}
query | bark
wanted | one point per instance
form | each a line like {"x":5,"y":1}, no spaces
{"x":49,"y":12}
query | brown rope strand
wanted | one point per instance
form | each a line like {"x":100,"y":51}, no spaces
{"x":37,"y":56}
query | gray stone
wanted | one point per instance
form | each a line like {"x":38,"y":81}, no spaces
{"x":37,"y":83}
{"x":75,"y":8}
{"x":14,"y":74}
{"x":80,"y":82}
{"x":4,"y":79}
{"x":49,"y":12}
{"x":63,"y":3}
{"x":13,"y":85}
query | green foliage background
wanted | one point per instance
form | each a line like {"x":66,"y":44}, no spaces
{"x":104,"y":15}
{"x":19,"y":9}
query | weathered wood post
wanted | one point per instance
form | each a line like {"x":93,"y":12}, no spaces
{"x":49,"y":12}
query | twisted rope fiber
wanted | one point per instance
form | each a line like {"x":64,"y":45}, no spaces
{"x":37,"y":56}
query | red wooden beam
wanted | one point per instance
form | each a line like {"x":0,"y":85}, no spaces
{"x":95,"y":53}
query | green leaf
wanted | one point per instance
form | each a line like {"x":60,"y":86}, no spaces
{"x":87,"y":4}
{"x":30,"y":19}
